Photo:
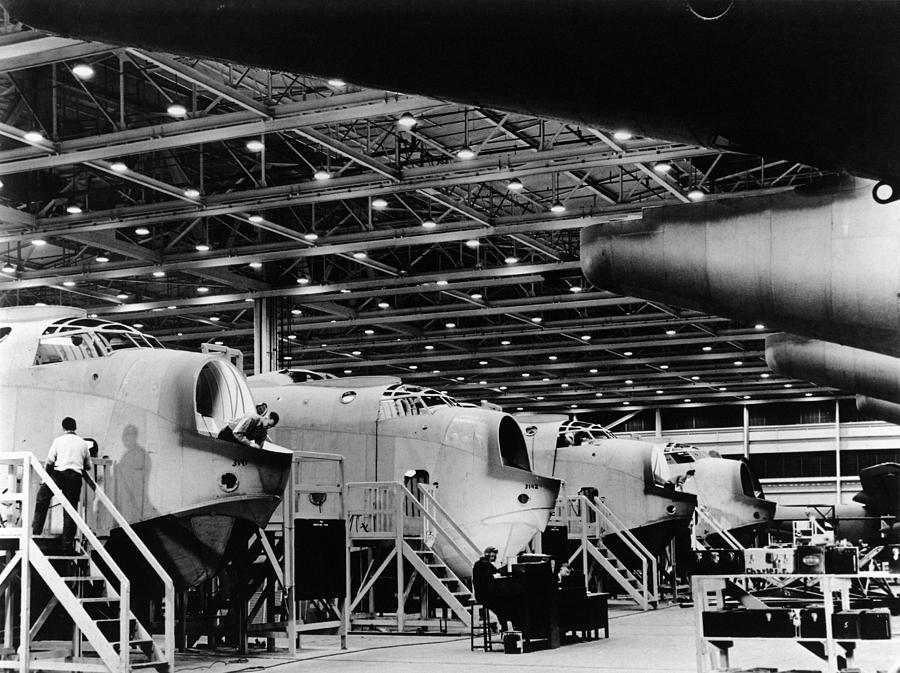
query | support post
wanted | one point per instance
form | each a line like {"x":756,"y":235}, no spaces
{"x":745,"y":436}
{"x":264,"y":337}
{"x":287,"y":532}
{"x":398,"y":542}
{"x":657,"y":416}
{"x":25,"y":593}
{"x":837,"y":453}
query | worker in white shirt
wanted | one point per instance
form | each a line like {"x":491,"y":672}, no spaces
{"x":250,"y":429}
{"x":69,"y":457}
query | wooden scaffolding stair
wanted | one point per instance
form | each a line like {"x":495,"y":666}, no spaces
{"x":590,"y":521}
{"x":90,"y":587}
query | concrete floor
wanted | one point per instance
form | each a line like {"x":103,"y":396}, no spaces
{"x":662,"y":640}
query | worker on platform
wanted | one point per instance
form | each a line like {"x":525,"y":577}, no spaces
{"x":251,"y":429}
{"x":68,"y":459}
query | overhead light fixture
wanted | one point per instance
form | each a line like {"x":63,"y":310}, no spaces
{"x":379,"y":203}
{"x":441,"y":282}
{"x":788,"y":385}
{"x":537,"y":318}
{"x":82,"y":71}
{"x":383,"y":304}
{"x":622,"y":134}
{"x":482,"y":362}
{"x":627,"y":354}
{"x":9,"y":268}
{"x":586,"y":337}
{"x":255,"y":265}
{"x":664,"y":366}
{"x":121,"y":295}
{"x":69,"y":283}
{"x":337,"y":83}
{"x":511,"y":260}
{"x":628,"y":382}
{"x":192,"y":193}
{"x":625,"y":404}
{"x":321,"y":174}
{"x":118,"y":167}
{"x":475,"y":295}
{"x":414,"y":367}
{"x":592,"y":371}
{"x":176,"y":110}
{"x":515,"y":185}
{"x":695,"y":378}
{"x":356,"y":353}
{"x":201,"y":247}
{"x":746,"y":397}
{"x":670,"y":332}
{"x":598,"y":394}
{"x":142,"y":231}
{"x":706,"y":348}
{"x":429,"y":347}
{"x":557,"y":207}
{"x":256,"y":219}
{"x":202,"y":289}
{"x":575,"y":288}
{"x":687,"y":399}
{"x":552,"y":357}
{"x":159,"y":274}
{"x":807,"y":394}
{"x":662,"y":166}
{"x":38,"y":242}
{"x":473,"y":243}
{"x":73,"y":209}
{"x":407,"y":121}
{"x":303,"y":280}
{"x":369,"y":332}
{"x":346,"y":290}
{"x":525,"y":375}
{"x":255,"y":145}
{"x":696,"y":194}
{"x":138,"y":325}
{"x":466,"y":153}
{"x":765,"y":375}
{"x":505,"y":343}
{"x":428,"y":223}
{"x":450,"y":325}
{"x":738,"y":363}
{"x":723,"y":389}
{"x":359,"y":255}
{"x":311,"y":237}
{"x":659,"y":392}
{"x":215,"y":318}
{"x":759,"y":326}
{"x":34,"y":136}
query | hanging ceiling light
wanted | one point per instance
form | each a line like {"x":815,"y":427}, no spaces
{"x":82,"y":71}
{"x":176,"y":110}
{"x":557,"y":207}
{"x":38,"y":242}
{"x":311,"y":236}
{"x":34,"y":136}
{"x":256,"y":219}
{"x":9,"y":268}
{"x":428,"y":223}
{"x":695,"y":193}
{"x":159,"y":274}
{"x":103,"y":258}
{"x":359,"y":255}
{"x":407,"y":121}
{"x":201,"y":247}
{"x":142,"y":231}
{"x":337,"y":83}
{"x":622,"y":134}
{"x":118,"y":166}
{"x":466,"y":153}
{"x":473,"y":243}
{"x":192,"y":193}
{"x":303,"y":280}
{"x":662,"y":166}
{"x":73,"y":209}
{"x":322,"y":174}
{"x":255,"y":145}
{"x":379,"y":203}
{"x":511,"y":260}
{"x":515,"y":185}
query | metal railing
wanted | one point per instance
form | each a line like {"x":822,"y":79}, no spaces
{"x":703,"y":516}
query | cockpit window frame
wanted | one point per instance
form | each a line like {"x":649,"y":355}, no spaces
{"x":401,"y":399}
{"x":74,"y":339}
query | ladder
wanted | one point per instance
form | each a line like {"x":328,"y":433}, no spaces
{"x":419,"y":529}
{"x":594,"y":521}
{"x":90,"y":587}
{"x":704,"y":524}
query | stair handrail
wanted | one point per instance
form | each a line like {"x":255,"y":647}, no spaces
{"x":629,"y":538}
{"x":124,"y":584}
{"x":702,"y":512}
{"x":168,"y":584}
{"x":440,"y":508}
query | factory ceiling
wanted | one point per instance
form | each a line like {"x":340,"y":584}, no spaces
{"x":173,"y":193}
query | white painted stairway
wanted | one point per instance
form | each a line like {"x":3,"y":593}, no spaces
{"x":90,"y":587}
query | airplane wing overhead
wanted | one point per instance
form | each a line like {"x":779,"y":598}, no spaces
{"x":880,"y":488}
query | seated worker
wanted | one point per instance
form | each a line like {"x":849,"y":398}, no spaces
{"x":502,"y":597}
{"x":251,"y":429}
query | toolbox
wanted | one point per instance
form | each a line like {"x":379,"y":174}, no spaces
{"x":769,"y":561}
{"x":810,"y":560}
{"x":841,"y":560}
{"x":718,"y":562}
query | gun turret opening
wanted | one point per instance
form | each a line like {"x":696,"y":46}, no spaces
{"x":512,"y":444}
